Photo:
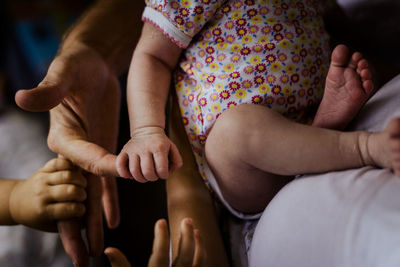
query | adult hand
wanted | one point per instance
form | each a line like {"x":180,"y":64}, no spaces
{"x":191,"y":248}
{"x":84,"y":97}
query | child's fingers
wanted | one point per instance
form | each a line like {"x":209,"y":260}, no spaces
{"x":65,"y":210}
{"x":64,"y":193}
{"x":147,"y":165}
{"x":116,"y":257}
{"x":123,"y":165}
{"x":57,"y":164}
{"x":186,"y":245}
{"x":66,"y":177}
{"x":175,"y":158}
{"x":161,"y":164}
{"x":134,"y":168}
{"x":160,"y":254}
{"x":199,"y":253}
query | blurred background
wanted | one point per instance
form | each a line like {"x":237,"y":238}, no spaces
{"x":31,"y":31}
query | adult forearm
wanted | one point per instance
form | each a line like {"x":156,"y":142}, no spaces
{"x":6,"y":187}
{"x":112,"y":28}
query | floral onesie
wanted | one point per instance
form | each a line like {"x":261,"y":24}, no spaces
{"x":263,"y":52}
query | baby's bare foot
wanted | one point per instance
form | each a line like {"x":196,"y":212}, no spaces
{"x":348,"y":86}
{"x":382,"y":149}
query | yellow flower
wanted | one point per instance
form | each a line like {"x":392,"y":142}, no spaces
{"x":263,"y":40}
{"x":216,"y":108}
{"x":306,"y":83}
{"x":229,"y":68}
{"x":275,"y":67}
{"x":236,"y":48}
{"x":240,"y":94}
{"x":198,"y":18}
{"x":284,"y":43}
{"x":221,"y":45}
{"x":255,"y":60}
{"x":219,"y":87}
{"x":303,"y":38}
{"x":256,"y":19}
{"x":214,"y":66}
{"x":203,"y":44}
{"x":179,"y":86}
{"x":287,"y":90}
{"x":309,"y":62}
{"x":186,"y":3}
{"x":264,"y":88}
{"x":271,"y":20}
{"x":247,"y":39}
{"x":236,"y":15}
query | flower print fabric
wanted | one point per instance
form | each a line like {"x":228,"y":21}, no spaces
{"x":263,"y":52}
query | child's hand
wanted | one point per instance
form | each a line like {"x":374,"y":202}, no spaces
{"x":55,"y":192}
{"x":148,"y":156}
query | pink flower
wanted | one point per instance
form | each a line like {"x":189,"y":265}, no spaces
{"x":245,"y":51}
{"x":225,"y":94}
{"x":261,"y":67}
{"x":276,"y":89}
{"x":234,"y":75}
{"x":234,"y":86}
{"x":257,"y":99}
{"x":241,"y":31}
{"x":198,"y":9}
{"x":259,"y":79}
{"x":252,"y":12}
{"x":269,"y":46}
{"x":241,"y":22}
{"x":270,"y":58}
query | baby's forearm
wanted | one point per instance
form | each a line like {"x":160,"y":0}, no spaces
{"x":149,"y":78}
{"x":6,"y":188}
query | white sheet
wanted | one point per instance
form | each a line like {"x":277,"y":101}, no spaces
{"x":340,"y":219}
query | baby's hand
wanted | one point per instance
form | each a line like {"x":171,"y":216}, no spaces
{"x":148,"y":156}
{"x":55,"y":192}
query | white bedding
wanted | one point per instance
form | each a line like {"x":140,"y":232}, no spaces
{"x":339,"y":219}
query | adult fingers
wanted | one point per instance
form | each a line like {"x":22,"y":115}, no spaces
{"x":50,"y":92}
{"x":94,"y":222}
{"x":110,"y":201}
{"x":160,"y":254}
{"x":116,"y":257}
{"x":70,"y":234}
{"x":199,"y":253}
{"x":186,"y":245}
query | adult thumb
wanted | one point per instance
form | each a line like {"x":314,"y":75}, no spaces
{"x":42,"y":98}
{"x":50,"y":92}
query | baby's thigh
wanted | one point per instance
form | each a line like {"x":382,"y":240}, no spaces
{"x":245,"y":187}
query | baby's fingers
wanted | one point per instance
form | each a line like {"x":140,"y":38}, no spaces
{"x":161,"y":164}
{"x":65,"y":193}
{"x":67,"y":177}
{"x":147,"y":166}
{"x":65,"y":210}
{"x":57,"y":164}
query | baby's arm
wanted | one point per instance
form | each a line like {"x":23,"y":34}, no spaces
{"x":55,"y":192}
{"x":149,"y":154}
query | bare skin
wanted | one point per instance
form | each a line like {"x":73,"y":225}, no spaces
{"x":348,"y":86}
{"x":269,"y":149}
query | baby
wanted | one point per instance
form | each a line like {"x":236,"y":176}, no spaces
{"x":269,"y":55}
{"x":53,"y":193}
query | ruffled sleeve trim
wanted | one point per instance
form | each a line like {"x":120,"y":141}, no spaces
{"x":162,"y":23}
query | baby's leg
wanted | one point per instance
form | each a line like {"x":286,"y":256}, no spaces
{"x":348,"y":86}
{"x":249,"y":143}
